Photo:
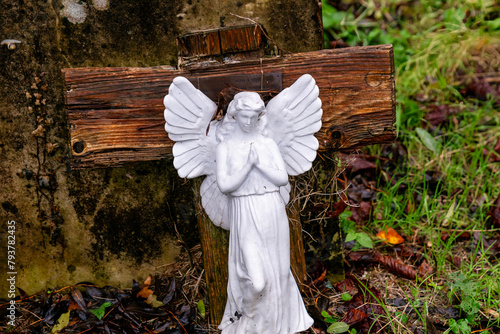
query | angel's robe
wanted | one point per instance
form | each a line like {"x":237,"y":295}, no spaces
{"x":263,"y":297}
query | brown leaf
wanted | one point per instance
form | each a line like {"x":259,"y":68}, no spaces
{"x":481,"y":89}
{"x":425,"y":270}
{"x":494,"y":213}
{"x":346,"y":285}
{"x":336,"y":209}
{"x":463,"y":235}
{"x":454,"y":260}
{"x":495,"y":156}
{"x":362,"y":165}
{"x":438,"y":115}
{"x":396,"y":267}
{"x":362,"y":256}
{"x":148,"y":280}
{"x":491,"y":245}
{"x":353,"y":316}
{"x":362,"y":213}
{"x":78,"y":299}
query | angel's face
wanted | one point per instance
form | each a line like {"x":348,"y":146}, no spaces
{"x":247,"y":119}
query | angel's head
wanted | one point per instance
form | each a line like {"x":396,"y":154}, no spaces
{"x":246,"y":109}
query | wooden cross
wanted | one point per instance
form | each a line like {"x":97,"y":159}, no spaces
{"x":116,"y":114}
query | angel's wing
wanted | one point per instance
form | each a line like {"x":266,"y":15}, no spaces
{"x":293,"y":116}
{"x":187,"y":114}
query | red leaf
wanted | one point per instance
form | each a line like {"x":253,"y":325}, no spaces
{"x":353,"y":316}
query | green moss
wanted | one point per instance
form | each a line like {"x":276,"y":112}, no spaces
{"x":71,"y":268}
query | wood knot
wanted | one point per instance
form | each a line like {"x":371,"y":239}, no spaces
{"x":374,"y":79}
{"x":79,"y":146}
{"x":335,"y":136}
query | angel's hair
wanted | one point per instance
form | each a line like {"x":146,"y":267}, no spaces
{"x":246,"y":101}
{"x":242,"y":101}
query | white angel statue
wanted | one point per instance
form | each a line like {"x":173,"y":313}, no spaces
{"x":247,"y":157}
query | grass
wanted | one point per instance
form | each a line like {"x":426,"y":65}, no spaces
{"x":438,"y":48}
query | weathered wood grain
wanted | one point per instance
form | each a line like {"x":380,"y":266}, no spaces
{"x":116,"y":114}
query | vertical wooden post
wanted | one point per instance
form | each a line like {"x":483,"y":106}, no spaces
{"x":215,"y":245}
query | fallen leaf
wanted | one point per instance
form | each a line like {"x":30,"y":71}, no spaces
{"x":337,"y":328}
{"x":346,"y":285}
{"x":353,"y":316}
{"x":145,"y":292}
{"x":456,"y":261}
{"x":362,"y":165}
{"x":396,"y":267}
{"x":171,"y":292}
{"x":62,"y":322}
{"x":153,"y":301}
{"x":78,"y":299}
{"x":480,"y":89}
{"x":438,"y":115}
{"x":366,"y":257}
{"x":425,"y":270}
{"x":490,"y":245}
{"x":148,"y":280}
{"x":391,"y":236}
{"x":101,"y":311}
{"x":494,"y":213}
{"x":428,"y":140}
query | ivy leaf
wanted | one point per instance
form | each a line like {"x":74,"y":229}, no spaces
{"x":100,"y":312}
{"x":338,"y":327}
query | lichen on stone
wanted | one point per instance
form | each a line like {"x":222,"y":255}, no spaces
{"x":75,"y":11}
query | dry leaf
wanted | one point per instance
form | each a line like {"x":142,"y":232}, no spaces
{"x":391,"y":236}
{"x":145,"y":292}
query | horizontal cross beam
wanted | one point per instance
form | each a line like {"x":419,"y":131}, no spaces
{"x":116,"y":114}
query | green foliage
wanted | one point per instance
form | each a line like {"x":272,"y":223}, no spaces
{"x":428,"y":140}
{"x":468,"y":292}
{"x":444,"y":172}
{"x":201,"y":308}
{"x":346,"y":297}
{"x":346,"y":224}
{"x":101,"y":311}
{"x":459,"y":327}
{"x":361,"y":238}
{"x":328,"y":318}
{"x":338,"y":327}
{"x":349,"y":228}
